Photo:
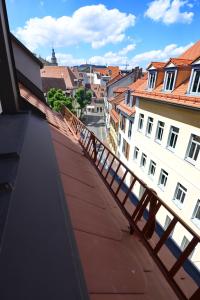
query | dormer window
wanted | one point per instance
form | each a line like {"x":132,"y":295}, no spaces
{"x":195,"y":82}
{"x":152,"y":80}
{"x":169,"y":80}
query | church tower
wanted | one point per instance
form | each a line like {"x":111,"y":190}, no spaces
{"x":53,"y":58}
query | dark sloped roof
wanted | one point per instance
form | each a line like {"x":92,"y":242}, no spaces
{"x":48,"y":83}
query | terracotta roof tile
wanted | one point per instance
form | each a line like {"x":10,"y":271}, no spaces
{"x":120,"y":89}
{"x":60,"y":72}
{"x":156,"y":64}
{"x":117,"y":99}
{"x":115,"y":79}
{"x":192,"y":53}
{"x":126,"y":109}
{"x":114,"y":115}
{"x":179,"y":62}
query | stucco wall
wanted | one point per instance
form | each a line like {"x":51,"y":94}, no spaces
{"x":26,"y":65}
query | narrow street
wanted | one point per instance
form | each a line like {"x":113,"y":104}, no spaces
{"x":95,"y":122}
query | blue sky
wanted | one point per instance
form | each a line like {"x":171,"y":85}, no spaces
{"x":109,"y":32}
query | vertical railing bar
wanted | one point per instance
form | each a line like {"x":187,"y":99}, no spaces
{"x":109,"y":167}
{"x":121,"y":182}
{"x":139,"y":204}
{"x":111,"y":183}
{"x":101,"y":157}
{"x":165,"y":235}
{"x":142,"y":208}
{"x":104,"y":162}
{"x":183,"y":256}
{"x":129,"y":190}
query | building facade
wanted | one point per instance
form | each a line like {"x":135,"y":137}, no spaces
{"x":160,"y":142}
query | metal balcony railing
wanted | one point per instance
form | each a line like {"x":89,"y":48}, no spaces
{"x":141,"y":212}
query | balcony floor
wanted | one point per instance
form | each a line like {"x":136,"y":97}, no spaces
{"x":116,"y":264}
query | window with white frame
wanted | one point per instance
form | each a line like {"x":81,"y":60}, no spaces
{"x":185,"y":242}
{"x":143,"y":160}
{"x":162,"y":179}
{"x":152,"y":168}
{"x":159,"y":132}
{"x":167,"y":222}
{"x":126,"y":149}
{"x":193,"y":148}
{"x":152,"y":80}
{"x":149,"y":126}
{"x":195,"y":83}
{"x":173,"y":136}
{"x":141,"y":122}
{"x":135,"y":153}
{"x":122,"y":123}
{"x":169,"y":80}
{"x":196,"y":214}
{"x":179,"y":195}
{"x":130,"y":128}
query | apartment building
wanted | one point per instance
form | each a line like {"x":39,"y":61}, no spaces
{"x":159,"y":138}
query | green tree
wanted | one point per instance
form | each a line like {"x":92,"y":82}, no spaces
{"x":83,"y":98}
{"x":56,"y":99}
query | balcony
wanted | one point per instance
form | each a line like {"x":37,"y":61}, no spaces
{"x":138,"y":207}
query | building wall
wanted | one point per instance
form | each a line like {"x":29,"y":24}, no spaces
{"x":26,"y":65}
{"x":174,"y":163}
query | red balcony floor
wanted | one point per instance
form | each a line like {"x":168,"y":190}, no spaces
{"x":116,"y":264}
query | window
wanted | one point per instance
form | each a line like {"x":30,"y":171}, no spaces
{"x":185,"y":242}
{"x":126,"y":149}
{"x":179,"y":195}
{"x":159,"y":132}
{"x":141,"y":122}
{"x":130,"y":128}
{"x":169,"y":80}
{"x":127,"y":97}
{"x":135,"y":154}
{"x":163,"y":179}
{"x":149,"y":126}
{"x":152,"y":80}
{"x":123,"y":123}
{"x":119,"y":139}
{"x":195,"y":85}
{"x":173,"y":136}
{"x":196,"y":214}
{"x":193,"y":148}
{"x":167,"y":222}
{"x":152,"y":168}
{"x":143,"y":160}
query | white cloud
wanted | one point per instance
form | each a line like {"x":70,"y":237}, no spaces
{"x":169,"y":11}
{"x":164,"y":54}
{"x":95,"y":25}
{"x":127,"y":49}
{"x":67,"y":59}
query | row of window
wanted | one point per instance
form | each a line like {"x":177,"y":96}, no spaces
{"x":193,"y":148}
{"x":180,"y":191}
{"x":170,"y":79}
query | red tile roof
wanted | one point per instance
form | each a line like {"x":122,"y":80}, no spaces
{"x":60,"y":72}
{"x":126,"y":109}
{"x":192,"y":53}
{"x":179,"y":62}
{"x":179,"y":94}
{"x":111,"y":71}
{"x":156,"y":65}
{"x":114,"y":115}
{"x":115,"y":79}
{"x":120,"y":89}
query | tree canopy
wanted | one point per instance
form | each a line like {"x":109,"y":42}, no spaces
{"x":83,"y":97}
{"x":56,"y":99}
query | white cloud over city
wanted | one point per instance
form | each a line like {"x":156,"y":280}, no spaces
{"x":117,"y":58}
{"x":95,"y":25}
{"x":170,"y":11}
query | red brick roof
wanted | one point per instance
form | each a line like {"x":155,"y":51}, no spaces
{"x":115,"y":79}
{"x":111,"y":71}
{"x":126,"y":109}
{"x":120,"y":90}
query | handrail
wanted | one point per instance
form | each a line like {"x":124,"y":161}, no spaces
{"x":141,"y":215}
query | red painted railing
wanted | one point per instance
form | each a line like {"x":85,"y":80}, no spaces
{"x":141,"y":212}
